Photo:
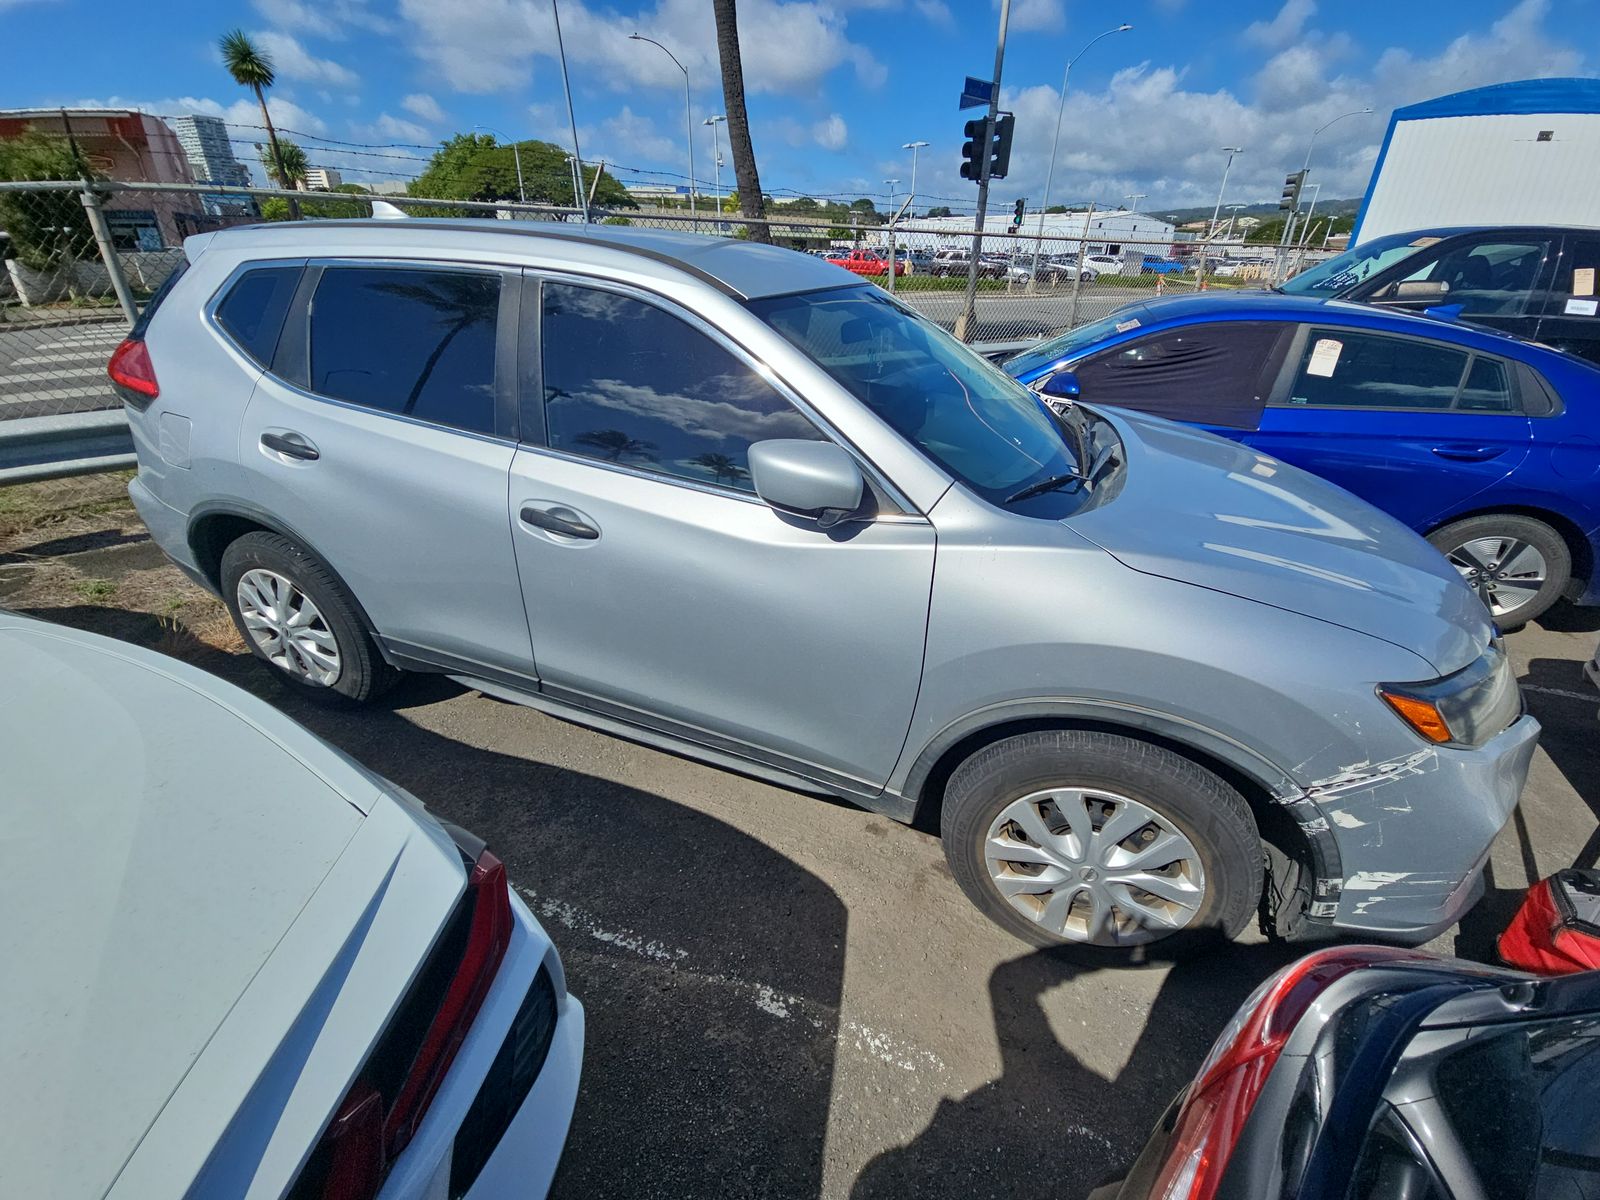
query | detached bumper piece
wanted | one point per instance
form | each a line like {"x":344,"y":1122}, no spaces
{"x":1557,"y":929}
{"x":511,"y":1077}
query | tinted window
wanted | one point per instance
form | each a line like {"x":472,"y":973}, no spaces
{"x":1393,"y":1166}
{"x":417,"y":342}
{"x":1218,"y":374}
{"x":966,"y":415}
{"x":1488,"y":387}
{"x":1357,"y":265}
{"x":1576,"y":289}
{"x":1523,"y":1103}
{"x":1064,"y":344}
{"x":626,"y":382}
{"x":1493,"y":278}
{"x":252,"y":312}
{"x":1340,"y":368}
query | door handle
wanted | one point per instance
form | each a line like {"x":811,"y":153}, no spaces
{"x":291,"y":445}
{"x":1468,"y":453}
{"x":551,"y":519}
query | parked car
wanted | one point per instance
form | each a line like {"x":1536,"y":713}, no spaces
{"x":1488,"y":445}
{"x":866,"y":262}
{"x":274,"y":972}
{"x":694,"y":491}
{"x":1372,"y":1073}
{"x":956,"y":262}
{"x":1106,"y":264}
{"x":1162,"y":266}
{"x":1535,"y":281}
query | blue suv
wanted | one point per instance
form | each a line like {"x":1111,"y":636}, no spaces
{"x":1487,"y":445}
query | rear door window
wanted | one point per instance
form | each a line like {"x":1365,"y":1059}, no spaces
{"x":1216,"y":374}
{"x":1344,"y":368}
{"x":419,"y":342}
{"x":253,"y":309}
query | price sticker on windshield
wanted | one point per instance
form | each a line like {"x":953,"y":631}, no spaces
{"x":1324,"y":357}
{"x":1130,"y":323}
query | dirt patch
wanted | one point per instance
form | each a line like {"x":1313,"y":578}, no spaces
{"x":75,"y":551}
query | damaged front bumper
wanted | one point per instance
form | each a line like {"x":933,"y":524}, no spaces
{"x":1412,"y":836}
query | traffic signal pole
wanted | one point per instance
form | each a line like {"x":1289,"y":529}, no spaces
{"x":966,"y":324}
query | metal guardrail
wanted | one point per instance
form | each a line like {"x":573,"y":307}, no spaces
{"x":56,"y":447}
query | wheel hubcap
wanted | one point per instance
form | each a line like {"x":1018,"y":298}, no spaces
{"x":288,"y":628}
{"x":1094,"y":867}
{"x":1505,"y":572}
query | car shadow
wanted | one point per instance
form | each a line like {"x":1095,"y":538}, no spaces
{"x":709,"y":1057}
{"x":1050,"y":1118}
{"x":1571,"y":734}
{"x":1565,"y":617}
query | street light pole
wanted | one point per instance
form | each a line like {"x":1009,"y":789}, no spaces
{"x":894,"y":251}
{"x":716,"y":163}
{"x":516,"y":153}
{"x":1061,"y":108}
{"x":1288,"y":225}
{"x":688,"y":110}
{"x":566,"y":87}
{"x":1216,"y":212}
{"x":913,"y":147}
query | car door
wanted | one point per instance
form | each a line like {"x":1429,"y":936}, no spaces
{"x":1215,"y":374}
{"x":659,"y":588}
{"x":1496,"y":279}
{"x":1413,"y":425}
{"x":1570,"y":319}
{"x":383,"y":436}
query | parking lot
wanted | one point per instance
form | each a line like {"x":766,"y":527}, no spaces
{"x":787,"y":996}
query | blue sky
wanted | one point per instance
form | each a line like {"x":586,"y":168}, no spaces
{"x":836,"y":86}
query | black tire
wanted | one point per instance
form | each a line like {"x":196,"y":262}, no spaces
{"x":362,"y":672}
{"x":1210,"y":814}
{"x":1508,"y":528}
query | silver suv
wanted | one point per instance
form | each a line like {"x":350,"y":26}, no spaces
{"x":732,"y":501}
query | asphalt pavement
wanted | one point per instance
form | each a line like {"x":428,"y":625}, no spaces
{"x":788,"y":996}
{"x":56,"y":367}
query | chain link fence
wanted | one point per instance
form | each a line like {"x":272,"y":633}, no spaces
{"x":81,"y":259}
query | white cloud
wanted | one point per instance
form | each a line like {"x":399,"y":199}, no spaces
{"x":1037,"y":16}
{"x":292,"y":61}
{"x":424,"y":107}
{"x":1283,"y":28}
{"x":398,"y":129}
{"x":629,"y":138}
{"x":935,"y":12}
{"x":831,"y":133}
{"x":324,"y":18}
{"x":481,"y":46}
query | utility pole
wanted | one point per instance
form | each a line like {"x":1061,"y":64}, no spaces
{"x":894,"y":250}
{"x":1217,"y":211}
{"x":566,"y":87}
{"x":966,"y":323}
{"x":716,"y":163}
{"x":913,"y":147}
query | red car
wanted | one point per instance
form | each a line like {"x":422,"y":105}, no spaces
{"x":866,"y":262}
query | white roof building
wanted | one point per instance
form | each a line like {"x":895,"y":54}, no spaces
{"x":1117,"y":232}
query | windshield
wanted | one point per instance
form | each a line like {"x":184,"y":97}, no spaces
{"x":972,"y":419}
{"x":1356,"y":265}
{"x":1064,"y":345}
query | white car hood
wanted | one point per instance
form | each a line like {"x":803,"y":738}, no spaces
{"x":159,"y":839}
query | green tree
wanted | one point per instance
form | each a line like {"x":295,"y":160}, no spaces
{"x":474,"y":166}
{"x":48,"y":229}
{"x":252,"y":68}
{"x":744,"y":155}
{"x":941,"y":210}
{"x":286,"y":159}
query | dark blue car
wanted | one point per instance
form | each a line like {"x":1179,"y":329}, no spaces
{"x":1488,"y":445}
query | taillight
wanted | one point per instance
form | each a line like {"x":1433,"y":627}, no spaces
{"x":384,"y":1107}
{"x":133,"y":374}
{"x":1230,"y":1080}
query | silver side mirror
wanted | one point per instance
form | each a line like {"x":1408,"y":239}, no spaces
{"x":810,"y":479}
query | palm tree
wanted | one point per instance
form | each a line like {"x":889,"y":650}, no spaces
{"x":253,"y":69}
{"x":744,"y":155}
{"x":722,"y":467}
{"x":613,"y":444}
{"x":291,"y":156}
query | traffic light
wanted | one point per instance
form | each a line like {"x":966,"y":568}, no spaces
{"x":1291,"y":191}
{"x":996,"y":139}
{"x":1016,"y":213}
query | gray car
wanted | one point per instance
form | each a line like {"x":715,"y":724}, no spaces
{"x":731,"y":501}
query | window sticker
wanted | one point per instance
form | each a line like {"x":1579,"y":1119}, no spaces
{"x":1581,"y":308}
{"x":1130,"y":323}
{"x":1583,"y":281}
{"x":1324,"y":357}
{"x":1424,"y":241}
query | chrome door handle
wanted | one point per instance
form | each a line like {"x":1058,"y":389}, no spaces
{"x":553,"y":520}
{"x":291,"y":445}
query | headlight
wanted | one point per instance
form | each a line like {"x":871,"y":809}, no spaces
{"x":1464,"y":709}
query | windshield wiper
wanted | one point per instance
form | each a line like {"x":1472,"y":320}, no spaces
{"x":1047,"y":485}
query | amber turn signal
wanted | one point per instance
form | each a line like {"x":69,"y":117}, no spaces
{"x":1420,"y":715}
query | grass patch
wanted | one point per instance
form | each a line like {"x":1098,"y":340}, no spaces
{"x":25,"y":507}
{"x":95,"y":590}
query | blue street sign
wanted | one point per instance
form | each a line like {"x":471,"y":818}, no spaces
{"x":976,"y":91}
